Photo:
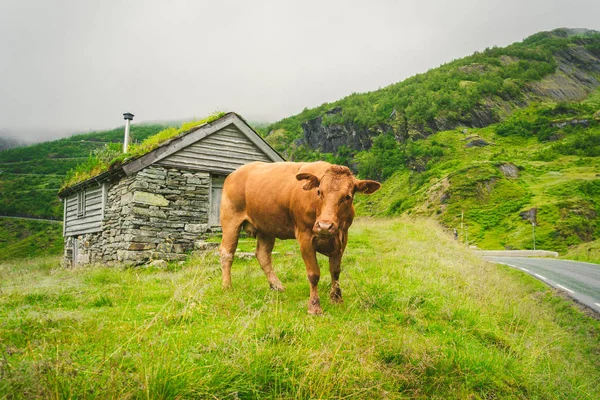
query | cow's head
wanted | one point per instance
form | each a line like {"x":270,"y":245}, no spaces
{"x":335,"y":194}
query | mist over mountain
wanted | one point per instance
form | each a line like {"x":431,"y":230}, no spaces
{"x":7,"y":143}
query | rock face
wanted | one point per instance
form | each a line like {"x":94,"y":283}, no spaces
{"x":329,"y":138}
{"x":509,"y":170}
{"x":574,"y":79}
{"x":140,"y":226}
{"x":478,"y":142}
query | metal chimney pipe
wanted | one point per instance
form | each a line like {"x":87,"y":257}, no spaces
{"x":128,"y":117}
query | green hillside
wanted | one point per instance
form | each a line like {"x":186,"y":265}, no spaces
{"x":473,"y":91}
{"x":22,"y":238}
{"x":486,"y":138}
{"x":30,"y":178}
{"x":495,"y":186}
{"x":31,"y":175}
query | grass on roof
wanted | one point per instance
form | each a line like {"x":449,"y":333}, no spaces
{"x":111,"y":155}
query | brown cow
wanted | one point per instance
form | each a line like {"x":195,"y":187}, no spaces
{"x":311,"y":202}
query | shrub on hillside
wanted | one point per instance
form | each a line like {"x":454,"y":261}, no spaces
{"x":586,"y":143}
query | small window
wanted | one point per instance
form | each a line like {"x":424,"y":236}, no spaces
{"x":81,"y":204}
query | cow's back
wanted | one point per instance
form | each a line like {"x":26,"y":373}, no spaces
{"x":269,"y":196}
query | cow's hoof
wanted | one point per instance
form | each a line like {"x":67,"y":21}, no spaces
{"x":274,"y":282}
{"x":336,"y":298}
{"x":315,"y":311}
{"x":278,"y":287}
{"x":226,"y":285}
{"x":314,"y":307}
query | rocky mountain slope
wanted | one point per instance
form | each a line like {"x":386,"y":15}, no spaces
{"x":472,"y":92}
{"x":487,"y":144}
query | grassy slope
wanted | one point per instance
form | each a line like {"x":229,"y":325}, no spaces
{"x":500,"y":80}
{"x":421,"y":319}
{"x":565,"y":189}
{"x":588,"y":252}
{"x":28,"y":238}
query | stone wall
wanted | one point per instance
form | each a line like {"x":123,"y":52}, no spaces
{"x":158,"y":213}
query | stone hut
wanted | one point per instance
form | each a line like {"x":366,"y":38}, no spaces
{"x":158,"y":205}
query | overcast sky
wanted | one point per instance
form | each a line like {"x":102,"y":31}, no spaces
{"x":75,"y":65}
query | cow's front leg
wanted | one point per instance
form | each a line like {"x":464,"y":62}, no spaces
{"x":313,"y":273}
{"x":335,"y":267}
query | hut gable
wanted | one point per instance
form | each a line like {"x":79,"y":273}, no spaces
{"x":220,"y":152}
{"x":159,"y":204}
{"x":225,"y":127}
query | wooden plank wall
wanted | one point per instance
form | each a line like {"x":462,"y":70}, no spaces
{"x":222,"y":152}
{"x":216,"y":190}
{"x":91,"y":221}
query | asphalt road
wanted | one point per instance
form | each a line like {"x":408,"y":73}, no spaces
{"x":579,"y":280}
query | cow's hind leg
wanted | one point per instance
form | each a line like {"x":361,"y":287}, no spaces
{"x":231,"y":234}
{"x":264,"y":247}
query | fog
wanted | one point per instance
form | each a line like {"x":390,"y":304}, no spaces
{"x":75,"y":66}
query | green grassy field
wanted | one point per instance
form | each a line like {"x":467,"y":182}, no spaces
{"x":422,"y":318}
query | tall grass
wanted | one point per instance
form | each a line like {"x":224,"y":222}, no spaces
{"x":422,"y":318}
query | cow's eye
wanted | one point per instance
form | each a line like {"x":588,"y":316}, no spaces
{"x":348,"y":197}
{"x":318,"y":192}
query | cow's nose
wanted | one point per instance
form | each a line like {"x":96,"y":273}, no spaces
{"x":325,"y":227}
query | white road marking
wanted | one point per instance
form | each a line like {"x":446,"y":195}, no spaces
{"x":564,"y":288}
{"x":541,"y":277}
{"x":525,"y":269}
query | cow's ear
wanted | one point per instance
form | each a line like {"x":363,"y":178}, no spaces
{"x":313,"y":181}
{"x":367,"y":187}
